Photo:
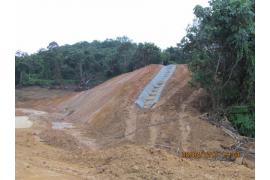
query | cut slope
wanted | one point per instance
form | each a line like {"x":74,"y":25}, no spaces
{"x":108,"y":114}
{"x":82,"y":106}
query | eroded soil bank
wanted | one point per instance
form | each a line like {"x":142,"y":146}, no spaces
{"x":102,"y":134}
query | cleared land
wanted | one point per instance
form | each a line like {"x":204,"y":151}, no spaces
{"x":111,"y":138}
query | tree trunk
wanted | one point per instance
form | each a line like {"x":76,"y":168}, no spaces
{"x":21,"y":78}
{"x":81,"y":70}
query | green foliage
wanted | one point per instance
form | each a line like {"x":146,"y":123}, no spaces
{"x":242,"y":117}
{"x":146,"y":53}
{"x":221,"y":48}
{"x":175,"y":55}
{"x":220,"y":45}
{"x":84,"y":63}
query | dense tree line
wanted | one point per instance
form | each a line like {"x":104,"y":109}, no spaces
{"x":84,"y":63}
{"x":221,"y":48}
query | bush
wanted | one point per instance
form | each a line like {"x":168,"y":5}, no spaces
{"x":243,"y":119}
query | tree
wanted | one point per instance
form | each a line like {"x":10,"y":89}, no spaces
{"x":20,"y":54}
{"x":221,"y":47}
{"x":175,"y":55}
{"x":145,"y":54}
{"x":85,"y":63}
{"x":52,"y":45}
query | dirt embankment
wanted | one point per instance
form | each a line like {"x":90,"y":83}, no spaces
{"x":173,"y":122}
{"x":114,"y":139}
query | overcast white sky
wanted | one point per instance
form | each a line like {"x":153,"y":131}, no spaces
{"x":163,"y":22}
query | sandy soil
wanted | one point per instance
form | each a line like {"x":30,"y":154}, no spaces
{"x":112,"y":138}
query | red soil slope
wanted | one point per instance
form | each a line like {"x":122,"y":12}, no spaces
{"x":114,"y":139}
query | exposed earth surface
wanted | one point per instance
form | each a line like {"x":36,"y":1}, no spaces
{"x":102,"y":134}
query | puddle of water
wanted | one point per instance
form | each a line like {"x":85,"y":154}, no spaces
{"x":31,"y":111}
{"x":22,"y":122}
{"x":61,"y":125}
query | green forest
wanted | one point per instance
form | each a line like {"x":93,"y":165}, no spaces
{"x":86,"y":64}
{"x":219,"y":48}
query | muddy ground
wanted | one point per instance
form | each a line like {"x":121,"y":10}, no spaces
{"x":102,"y":134}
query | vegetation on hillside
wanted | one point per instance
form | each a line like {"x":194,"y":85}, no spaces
{"x":85,"y":63}
{"x":219,"y":48}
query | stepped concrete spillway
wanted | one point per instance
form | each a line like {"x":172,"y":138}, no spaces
{"x":150,"y":95}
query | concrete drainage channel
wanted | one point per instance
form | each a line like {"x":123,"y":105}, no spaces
{"x":150,"y":95}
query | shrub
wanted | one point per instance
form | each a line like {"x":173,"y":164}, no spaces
{"x":243,"y":119}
